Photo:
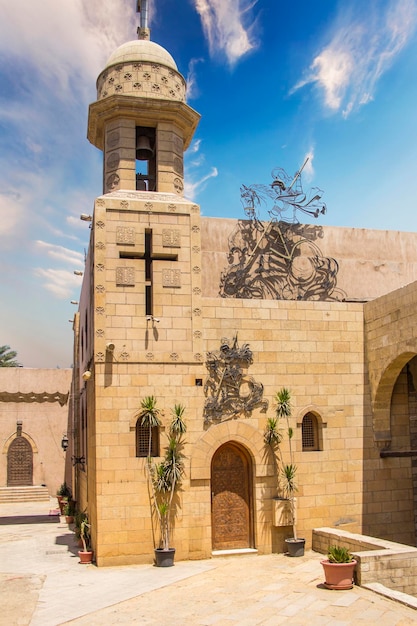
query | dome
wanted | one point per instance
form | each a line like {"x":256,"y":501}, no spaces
{"x":141,"y":50}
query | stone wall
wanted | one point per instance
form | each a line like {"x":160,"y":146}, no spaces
{"x":39,"y":399}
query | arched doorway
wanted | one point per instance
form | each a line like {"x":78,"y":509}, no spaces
{"x":231,"y":498}
{"x":19,"y":463}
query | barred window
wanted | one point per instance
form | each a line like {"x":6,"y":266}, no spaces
{"x":142,"y":440}
{"x":310,"y":432}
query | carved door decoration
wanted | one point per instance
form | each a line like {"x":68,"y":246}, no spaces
{"x":231,"y":507}
{"x":20,"y":463}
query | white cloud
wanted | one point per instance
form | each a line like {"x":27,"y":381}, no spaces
{"x":228,"y":27}
{"x":192,"y":187}
{"x":61,"y":283}
{"x":360,"y":51}
{"x":192,"y":88}
{"x":195,"y":177}
{"x":11,"y":212}
{"x":59,"y":253}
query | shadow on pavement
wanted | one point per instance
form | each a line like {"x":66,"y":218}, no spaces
{"x":29,"y":519}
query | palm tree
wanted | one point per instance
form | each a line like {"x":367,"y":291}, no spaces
{"x":8,"y":357}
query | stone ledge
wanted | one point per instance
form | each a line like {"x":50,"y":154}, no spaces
{"x":393,"y":565}
{"x":397,"y":596}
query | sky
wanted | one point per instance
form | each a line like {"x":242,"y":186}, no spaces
{"x":275,"y":82}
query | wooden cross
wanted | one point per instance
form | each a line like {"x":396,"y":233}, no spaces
{"x":149,"y":256}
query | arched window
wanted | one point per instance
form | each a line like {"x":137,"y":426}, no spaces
{"x":142,"y":440}
{"x":310,"y":433}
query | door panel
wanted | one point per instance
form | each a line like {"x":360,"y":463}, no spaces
{"x":231,"y":499}
{"x":20,"y":463}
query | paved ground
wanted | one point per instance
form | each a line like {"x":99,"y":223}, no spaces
{"x":42,"y":584}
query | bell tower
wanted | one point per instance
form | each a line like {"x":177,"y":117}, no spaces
{"x":140,"y":120}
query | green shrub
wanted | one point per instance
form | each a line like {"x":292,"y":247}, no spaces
{"x":339,"y":554}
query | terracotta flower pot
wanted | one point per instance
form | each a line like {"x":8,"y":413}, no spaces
{"x":338,"y":575}
{"x":85,"y":557}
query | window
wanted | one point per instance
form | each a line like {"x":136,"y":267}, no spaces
{"x":310,"y":432}
{"x":142,"y":440}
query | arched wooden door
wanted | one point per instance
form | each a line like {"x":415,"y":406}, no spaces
{"x":231,"y":498}
{"x":20,"y":463}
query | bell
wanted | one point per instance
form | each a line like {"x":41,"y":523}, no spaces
{"x":144,"y":151}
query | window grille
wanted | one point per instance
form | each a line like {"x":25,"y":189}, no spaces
{"x":309,"y":431}
{"x":142,"y":440}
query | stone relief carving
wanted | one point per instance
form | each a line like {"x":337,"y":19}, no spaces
{"x":125,"y":235}
{"x":171,"y":278}
{"x":125,"y":276}
{"x":171,"y":238}
{"x":113,"y":160}
{"x":112,"y":182}
{"x":230,"y":392}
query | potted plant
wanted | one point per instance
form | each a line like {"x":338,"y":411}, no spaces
{"x":165,"y":477}
{"x":79,"y":517}
{"x":86,"y":554}
{"x":338,"y":568}
{"x":287,"y":471}
{"x":69,"y":511}
{"x":63,"y":494}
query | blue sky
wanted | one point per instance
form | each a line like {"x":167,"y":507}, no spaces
{"x":274,"y":82}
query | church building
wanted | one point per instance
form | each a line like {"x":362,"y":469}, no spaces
{"x":218,"y":315}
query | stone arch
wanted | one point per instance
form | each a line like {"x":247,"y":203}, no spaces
{"x":382,"y":402}
{"x":316,"y":413}
{"x":240,"y":432}
{"x":10,"y":439}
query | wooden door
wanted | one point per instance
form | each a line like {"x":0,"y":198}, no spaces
{"x":20,"y":463}
{"x":231,"y":499}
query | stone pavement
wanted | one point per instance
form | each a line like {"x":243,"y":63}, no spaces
{"x":42,"y":584}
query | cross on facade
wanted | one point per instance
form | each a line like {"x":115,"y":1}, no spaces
{"x":149,"y":256}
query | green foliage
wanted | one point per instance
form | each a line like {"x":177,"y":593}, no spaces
{"x":272,"y":436}
{"x":85,"y":534}
{"x":339,"y":554}
{"x":283,"y":400}
{"x":69,"y":508}
{"x":148,"y":413}
{"x":289,"y":485}
{"x":165,"y":477}
{"x":149,"y":417}
{"x":8,"y":357}
{"x":178,"y":426}
{"x":64,"y":491}
{"x":79,"y":517}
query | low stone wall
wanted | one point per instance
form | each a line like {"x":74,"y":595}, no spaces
{"x":394,"y":565}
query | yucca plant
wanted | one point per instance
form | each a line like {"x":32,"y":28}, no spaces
{"x":166,"y":476}
{"x":273,"y":437}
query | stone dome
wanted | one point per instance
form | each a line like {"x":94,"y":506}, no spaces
{"x":141,"y":50}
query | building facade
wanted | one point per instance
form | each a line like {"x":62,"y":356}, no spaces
{"x":218,"y":315}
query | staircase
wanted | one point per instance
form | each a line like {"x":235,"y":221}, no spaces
{"x":23,"y":494}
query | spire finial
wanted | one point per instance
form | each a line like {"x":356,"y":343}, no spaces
{"x":143,"y":29}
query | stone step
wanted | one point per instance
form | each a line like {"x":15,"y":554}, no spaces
{"x":23,"y":494}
